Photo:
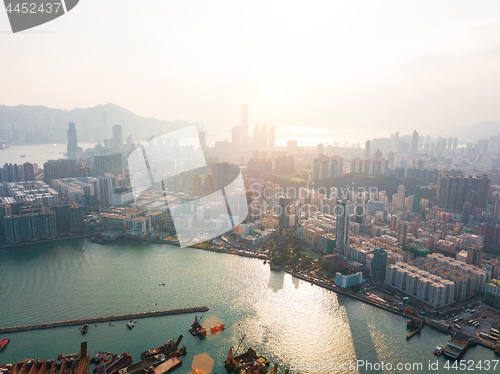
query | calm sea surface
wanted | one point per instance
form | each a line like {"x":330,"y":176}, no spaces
{"x":36,"y":154}
{"x":282,"y":317}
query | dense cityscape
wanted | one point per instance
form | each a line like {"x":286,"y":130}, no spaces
{"x":264,"y":187}
{"x":407,"y":223}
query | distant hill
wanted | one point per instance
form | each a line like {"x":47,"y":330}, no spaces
{"x":39,"y":124}
{"x":481,"y":130}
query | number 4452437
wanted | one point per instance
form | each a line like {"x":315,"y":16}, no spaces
{"x":465,"y":365}
{"x":33,"y":8}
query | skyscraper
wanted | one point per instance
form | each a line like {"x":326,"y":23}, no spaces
{"x":401,"y":197}
{"x":402,"y":233}
{"x":379,"y":263}
{"x":244,"y":122}
{"x":416,"y":199}
{"x":395,"y":145}
{"x":104,"y":193}
{"x":72,"y":141}
{"x":342,"y":213}
{"x":475,"y":255}
{"x":414,"y":143}
{"x":117,"y":136}
{"x":108,"y":164}
{"x":284,"y":213}
{"x":367,"y":149}
{"x":453,"y":192}
{"x":197,"y":185}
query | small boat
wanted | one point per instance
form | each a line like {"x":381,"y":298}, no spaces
{"x":216,"y":328}
{"x":130,"y":325}
{"x":84,"y":329}
{"x":3,"y":343}
{"x":438,"y":350}
{"x":23,"y":156}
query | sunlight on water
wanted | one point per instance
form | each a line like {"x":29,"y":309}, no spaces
{"x":282,"y":317}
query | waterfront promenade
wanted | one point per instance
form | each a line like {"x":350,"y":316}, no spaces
{"x":120,"y":317}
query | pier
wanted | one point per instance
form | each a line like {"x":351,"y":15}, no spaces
{"x":120,"y":317}
{"x":417,"y":323}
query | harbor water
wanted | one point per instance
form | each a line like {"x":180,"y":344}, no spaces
{"x":283,"y":318}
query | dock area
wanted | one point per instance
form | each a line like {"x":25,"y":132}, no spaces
{"x":120,"y":317}
{"x":417,"y":323}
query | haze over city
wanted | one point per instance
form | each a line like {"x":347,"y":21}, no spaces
{"x":372,"y":67}
{"x":284,"y":187}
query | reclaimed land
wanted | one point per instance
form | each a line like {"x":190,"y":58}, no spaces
{"x":120,"y":317}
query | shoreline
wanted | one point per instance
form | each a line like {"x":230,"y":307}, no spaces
{"x":437,"y":325}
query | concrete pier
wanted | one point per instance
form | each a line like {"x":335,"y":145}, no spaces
{"x":120,"y":317}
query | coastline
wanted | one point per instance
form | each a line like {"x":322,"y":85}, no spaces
{"x":437,"y":325}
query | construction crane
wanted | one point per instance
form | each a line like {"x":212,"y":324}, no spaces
{"x":211,"y":180}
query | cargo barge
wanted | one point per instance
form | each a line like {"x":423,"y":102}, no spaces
{"x":169,"y":349}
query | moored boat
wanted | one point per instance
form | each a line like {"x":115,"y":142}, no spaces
{"x":438,"y":350}
{"x":3,"y":343}
{"x":84,"y":329}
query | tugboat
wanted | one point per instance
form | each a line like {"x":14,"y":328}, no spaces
{"x":3,"y":343}
{"x":438,"y":350}
{"x":216,"y":328}
{"x":197,"y":328}
{"x":84,"y":329}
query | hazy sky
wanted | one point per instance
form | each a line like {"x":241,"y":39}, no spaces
{"x":369,"y":66}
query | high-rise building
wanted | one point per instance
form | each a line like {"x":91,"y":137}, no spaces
{"x":108,"y":164}
{"x":417,"y":196}
{"x":104,"y":191}
{"x":72,"y":147}
{"x":315,"y":171}
{"x":76,"y":218}
{"x":414,"y":143}
{"x":57,"y":169}
{"x":117,"y":136}
{"x":454,"y":191}
{"x":401,"y":197}
{"x":475,"y":255}
{"x":244,"y":122}
{"x":197,"y":185}
{"x":29,"y":171}
{"x":395,"y":145}
{"x":284,"y":213}
{"x":320,"y":148}
{"x":394,"y":223}
{"x":402,"y":233}
{"x":379,"y":263}
{"x":367,"y":149}
{"x":343,"y":215}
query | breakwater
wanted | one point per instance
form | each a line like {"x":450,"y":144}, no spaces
{"x":119,"y":317}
